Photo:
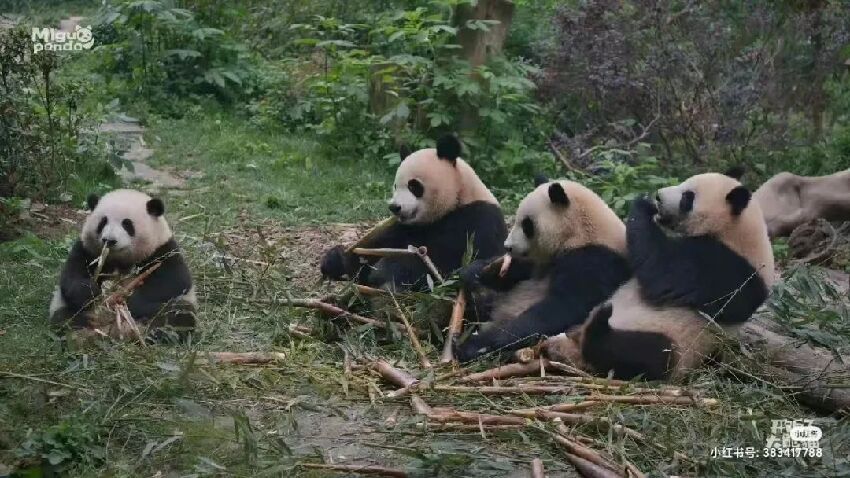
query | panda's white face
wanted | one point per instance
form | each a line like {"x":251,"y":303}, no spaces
{"x":425,"y":188}
{"x":703,"y":204}
{"x":561,"y":216}
{"x":129,"y":222}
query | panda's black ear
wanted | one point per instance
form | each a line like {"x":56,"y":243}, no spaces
{"x":735,"y":172}
{"x":738,"y":198}
{"x":156,"y":207}
{"x":557,"y":195}
{"x":404,"y":151}
{"x":448,"y":148}
{"x":539,"y":179}
{"x":92,"y":200}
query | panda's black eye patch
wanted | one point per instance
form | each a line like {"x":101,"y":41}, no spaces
{"x":527,"y":227}
{"x":101,"y":224}
{"x":686,"y":204}
{"x":416,"y":188}
{"x":129,"y":227}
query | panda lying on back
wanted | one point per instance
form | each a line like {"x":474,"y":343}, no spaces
{"x":131,"y":224}
{"x":568,"y":251}
{"x":721,"y":267}
{"x":440,"y":203}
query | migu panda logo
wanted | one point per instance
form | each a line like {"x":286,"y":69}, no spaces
{"x":53,"y":39}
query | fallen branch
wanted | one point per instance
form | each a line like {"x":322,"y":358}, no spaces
{"x":560,"y":407}
{"x":455,"y":328}
{"x":411,"y":334}
{"x":245,"y":358}
{"x":392,"y":374}
{"x":357,"y":469}
{"x":537,"y":470}
{"x":121,"y":294}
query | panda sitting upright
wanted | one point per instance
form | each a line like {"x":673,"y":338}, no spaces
{"x":440,"y":203}
{"x":131,"y":224}
{"x":659,"y":324}
{"x":568,"y":256}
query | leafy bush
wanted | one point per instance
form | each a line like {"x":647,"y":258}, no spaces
{"x":165,"y":55}
{"x":61,"y":447}
{"x":365,"y":88}
{"x":47,"y":148}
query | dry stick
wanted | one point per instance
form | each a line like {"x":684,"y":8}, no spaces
{"x":592,"y":455}
{"x":122,"y":293}
{"x":655,"y":400}
{"x":455,"y":327}
{"x":333,"y":310}
{"x":357,"y":469}
{"x":244,"y":358}
{"x":378,"y":229}
{"x":565,"y":368}
{"x":537,"y":470}
{"x":503,"y":390}
{"x":392,"y":374}
{"x":561,"y":407}
{"x":579,"y":419}
{"x":506,"y":371}
{"x":414,"y":340}
{"x":588,"y":469}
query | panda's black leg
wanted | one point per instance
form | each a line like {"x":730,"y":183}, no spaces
{"x":648,"y":246}
{"x":65,"y":317}
{"x":546,"y":318}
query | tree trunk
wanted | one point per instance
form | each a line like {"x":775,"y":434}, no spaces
{"x":477,"y":45}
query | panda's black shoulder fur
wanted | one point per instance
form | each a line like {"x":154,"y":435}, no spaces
{"x":480,"y":222}
{"x":579,"y":280}
{"x":172,"y":279}
{"x":698,"y":272}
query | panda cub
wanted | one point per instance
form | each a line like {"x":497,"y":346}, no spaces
{"x":721,"y":267}
{"x":440,"y":203}
{"x":131,"y":224}
{"x":568,"y":256}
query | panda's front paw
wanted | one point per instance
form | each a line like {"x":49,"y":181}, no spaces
{"x":334,"y":263}
{"x":643,"y":207}
{"x":470,"y":275}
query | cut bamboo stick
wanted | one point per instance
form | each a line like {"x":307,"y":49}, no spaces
{"x":411,"y":334}
{"x":455,"y":327}
{"x":377,"y":230}
{"x":421,"y":252}
{"x":245,"y":358}
{"x":506,"y":371}
{"x":589,"y":469}
{"x":537,"y":470}
{"x":655,"y":400}
{"x":561,"y":407}
{"x":357,"y":469}
{"x":503,"y":390}
{"x":592,"y":455}
{"x":392,"y":374}
{"x":334,"y":311}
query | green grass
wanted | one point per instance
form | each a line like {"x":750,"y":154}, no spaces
{"x":123,"y":410}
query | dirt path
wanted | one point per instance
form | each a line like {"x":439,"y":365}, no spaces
{"x":128,"y":136}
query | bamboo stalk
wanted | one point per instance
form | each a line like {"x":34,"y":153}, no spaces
{"x":121,"y":294}
{"x":378,"y":229}
{"x":411,"y":334}
{"x":506,"y":371}
{"x":655,"y":400}
{"x":505,"y":390}
{"x":244,"y":358}
{"x":421,"y":252}
{"x":455,"y":327}
{"x":506,"y":264}
{"x":537,"y":470}
{"x":589,"y":469}
{"x":392,"y":374}
{"x":561,"y":407}
{"x":357,"y":469}
{"x":335,"y":311}
{"x":590,"y":454}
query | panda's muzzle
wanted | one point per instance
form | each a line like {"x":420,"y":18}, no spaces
{"x":108,"y":242}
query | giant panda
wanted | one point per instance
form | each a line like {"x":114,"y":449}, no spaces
{"x":568,"y":256}
{"x":661,"y":324}
{"x":440,"y":203}
{"x":133,"y":226}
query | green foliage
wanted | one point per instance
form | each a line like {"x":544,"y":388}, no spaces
{"x":46,"y":145}
{"x":365,"y":88}
{"x":811,"y":308}
{"x":60,"y":447}
{"x":163,"y":54}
